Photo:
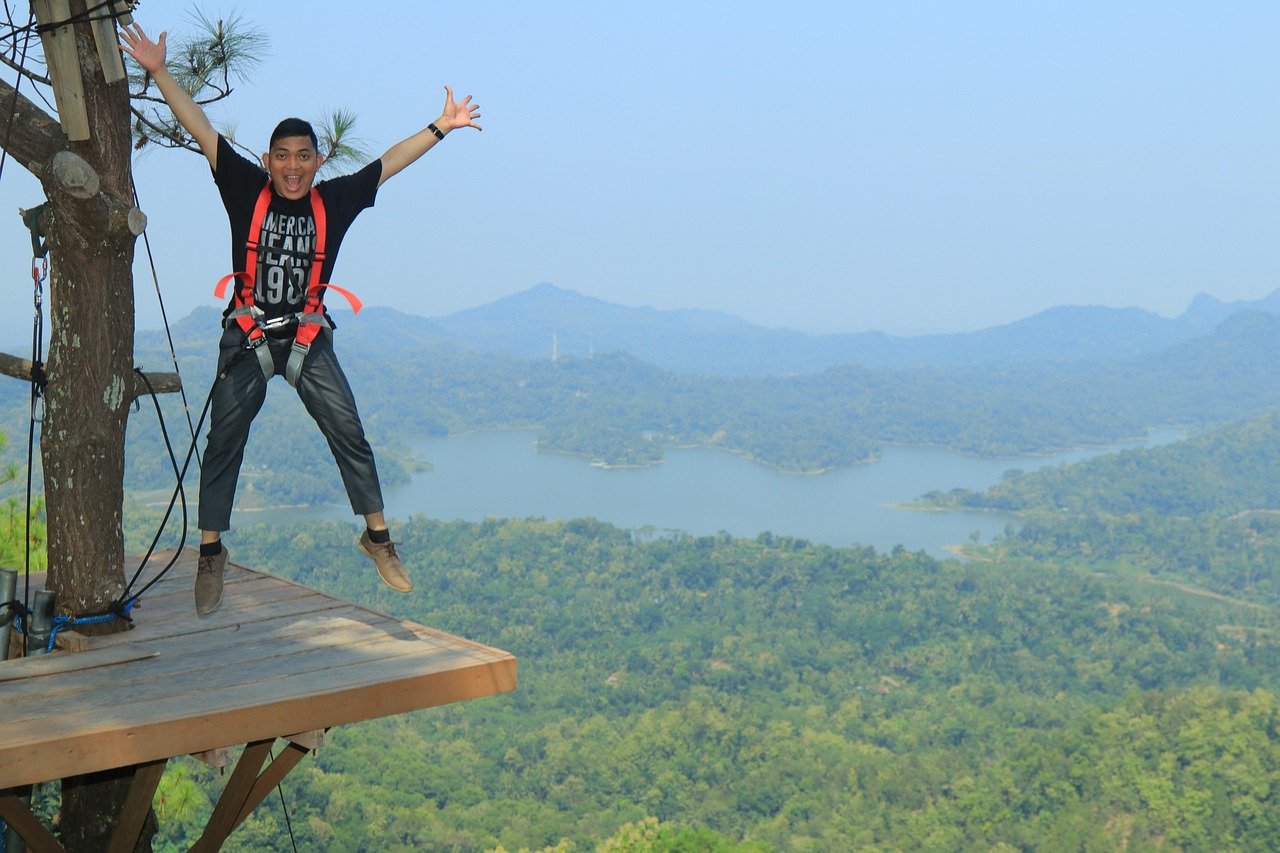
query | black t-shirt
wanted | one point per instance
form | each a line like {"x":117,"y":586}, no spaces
{"x":287,"y":243}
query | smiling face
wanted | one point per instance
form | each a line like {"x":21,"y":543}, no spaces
{"x":292,"y":163}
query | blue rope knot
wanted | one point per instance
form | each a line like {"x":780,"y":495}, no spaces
{"x":117,"y":610}
{"x":17,"y":610}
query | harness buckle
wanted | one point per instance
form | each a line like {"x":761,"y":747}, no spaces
{"x":277,"y":322}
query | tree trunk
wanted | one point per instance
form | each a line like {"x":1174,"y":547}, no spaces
{"x":90,"y":371}
{"x":90,"y":346}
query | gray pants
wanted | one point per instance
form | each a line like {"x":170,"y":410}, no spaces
{"x":327,"y":396}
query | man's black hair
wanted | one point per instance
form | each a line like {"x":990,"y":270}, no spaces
{"x":294,"y":127}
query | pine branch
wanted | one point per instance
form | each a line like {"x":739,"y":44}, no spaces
{"x":338,"y":140}
{"x":205,"y":64}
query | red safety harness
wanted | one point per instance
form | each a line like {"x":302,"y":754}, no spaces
{"x":310,"y":320}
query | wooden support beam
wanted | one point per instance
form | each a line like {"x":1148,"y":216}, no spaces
{"x":234,"y":796}
{"x":142,"y":792}
{"x":136,"y":806}
{"x":272,"y":776}
{"x":18,"y":815}
{"x":20,"y":368}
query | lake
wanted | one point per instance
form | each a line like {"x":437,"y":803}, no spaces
{"x":501,"y":474}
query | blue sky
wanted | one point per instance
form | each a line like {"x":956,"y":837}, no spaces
{"x":910,"y":166}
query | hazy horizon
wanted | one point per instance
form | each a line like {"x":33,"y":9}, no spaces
{"x":915,"y":169}
{"x":343,"y":309}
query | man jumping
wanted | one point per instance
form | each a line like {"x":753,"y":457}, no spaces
{"x":285,"y":236}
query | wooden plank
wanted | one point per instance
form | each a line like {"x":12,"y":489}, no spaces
{"x":58,"y":663}
{"x":220,"y":757}
{"x":332,"y":627}
{"x":190,"y":694}
{"x":64,"y":67}
{"x":72,"y":641}
{"x":221,"y":666}
{"x":209,"y":668}
{"x":311,"y":740}
{"x":242,"y":715}
{"x":138,"y":803}
{"x":277,"y":659}
{"x":265,"y":603}
{"x":29,"y":828}
{"x":201,"y":688}
{"x":107,"y":43}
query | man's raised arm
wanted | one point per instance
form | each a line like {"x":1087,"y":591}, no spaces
{"x":454,"y":115}
{"x":150,"y":56}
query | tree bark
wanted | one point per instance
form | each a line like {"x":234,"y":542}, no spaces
{"x":90,"y":374}
{"x":90,"y":348}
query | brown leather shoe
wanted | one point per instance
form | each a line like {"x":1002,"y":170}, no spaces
{"x":209,"y":582}
{"x":390,"y":569}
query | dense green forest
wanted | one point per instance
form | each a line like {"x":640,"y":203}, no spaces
{"x":787,"y":695}
{"x":1106,"y":676}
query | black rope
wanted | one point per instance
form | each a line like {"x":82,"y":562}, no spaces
{"x":173,"y":353}
{"x":87,"y":16}
{"x":38,"y":275}
{"x":13,"y":106}
{"x":285,"y":808}
{"x":17,"y":609}
{"x":178,"y":491}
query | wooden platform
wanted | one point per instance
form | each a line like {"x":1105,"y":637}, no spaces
{"x":275,"y":660}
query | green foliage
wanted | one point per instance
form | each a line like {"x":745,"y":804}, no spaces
{"x":784,"y":695}
{"x":652,"y":836}
{"x":1204,"y":511}
{"x":205,"y":61}
{"x":15,"y":522}
{"x":1231,"y":470}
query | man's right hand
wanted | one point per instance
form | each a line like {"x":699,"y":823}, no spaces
{"x":147,"y":53}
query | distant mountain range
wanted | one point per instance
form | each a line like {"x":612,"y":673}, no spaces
{"x":416,"y":377}
{"x":530,"y":323}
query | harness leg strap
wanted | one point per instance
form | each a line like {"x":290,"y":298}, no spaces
{"x":309,"y":325}
{"x":293,"y":370}
{"x":265,"y":361}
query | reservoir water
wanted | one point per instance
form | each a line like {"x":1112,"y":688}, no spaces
{"x":501,"y":474}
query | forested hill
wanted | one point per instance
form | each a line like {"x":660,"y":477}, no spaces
{"x":1205,"y":512}
{"x":1221,"y":472}
{"x":712,"y":343}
